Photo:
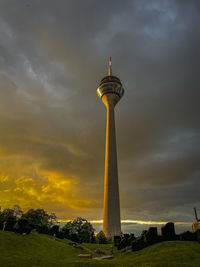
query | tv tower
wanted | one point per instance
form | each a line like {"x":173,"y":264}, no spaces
{"x":110,"y":91}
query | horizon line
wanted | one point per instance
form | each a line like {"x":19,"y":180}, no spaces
{"x":133,"y":222}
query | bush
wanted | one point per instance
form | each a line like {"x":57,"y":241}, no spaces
{"x":54,"y":230}
{"x":188,"y":236}
{"x":151,"y":236}
{"x":138,"y":244}
{"x":125,"y":241}
{"x":147,"y":238}
{"x":117,"y":240}
{"x":101,"y":238}
{"x":24,"y":226}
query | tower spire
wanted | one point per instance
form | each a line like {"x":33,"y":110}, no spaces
{"x":110,"y":67}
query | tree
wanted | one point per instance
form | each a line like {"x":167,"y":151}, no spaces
{"x":8,"y":216}
{"x":17,"y":211}
{"x":101,"y":238}
{"x":87,"y":232}
{"x":52,"y":220}
{"x":80,"y":230}
{"x":65,"y":230}
{"x":38,"y":219}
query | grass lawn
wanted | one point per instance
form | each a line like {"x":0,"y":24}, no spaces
{"x":41,"y":250}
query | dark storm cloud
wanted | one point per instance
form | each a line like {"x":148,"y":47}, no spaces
{"x":52,"y":57}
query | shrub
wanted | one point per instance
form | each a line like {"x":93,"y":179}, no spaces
{"x":101,"y":238}
{"x":138,"y":244}
{"x":188,"y":236}
{"x":117,"y":240}
{"x":151,"y":236}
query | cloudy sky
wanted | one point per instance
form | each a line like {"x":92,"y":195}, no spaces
{"x":52,"y":124}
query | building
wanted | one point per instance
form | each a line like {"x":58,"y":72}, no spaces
{"x":110,"y":91}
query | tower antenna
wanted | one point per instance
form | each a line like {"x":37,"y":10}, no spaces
{"x":110,"y":67}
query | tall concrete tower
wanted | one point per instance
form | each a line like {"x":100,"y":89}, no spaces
{"x":110,"y":91}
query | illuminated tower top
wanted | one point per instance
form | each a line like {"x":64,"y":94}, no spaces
{"x":110,"y":84}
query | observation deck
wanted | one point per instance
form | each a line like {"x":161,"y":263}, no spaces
{"x":110,"y":85}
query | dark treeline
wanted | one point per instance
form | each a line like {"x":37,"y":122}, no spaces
{"x":79,"y":230}
{"x":149,"y":237}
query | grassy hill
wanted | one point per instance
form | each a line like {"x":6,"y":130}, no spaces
{"x":41,"y":250}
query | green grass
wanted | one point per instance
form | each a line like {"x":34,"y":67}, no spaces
{"x":41,"y":250}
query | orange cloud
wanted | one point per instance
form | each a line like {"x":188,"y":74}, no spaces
{"x":30,"y":192}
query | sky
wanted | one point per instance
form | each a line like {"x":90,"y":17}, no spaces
{"x":53,"y":55}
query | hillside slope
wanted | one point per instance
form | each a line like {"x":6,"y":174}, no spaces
{"x":41,"y":250}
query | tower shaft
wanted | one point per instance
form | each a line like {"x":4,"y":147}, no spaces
{"x":110,"y":91}
{"x":111,"y":217}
